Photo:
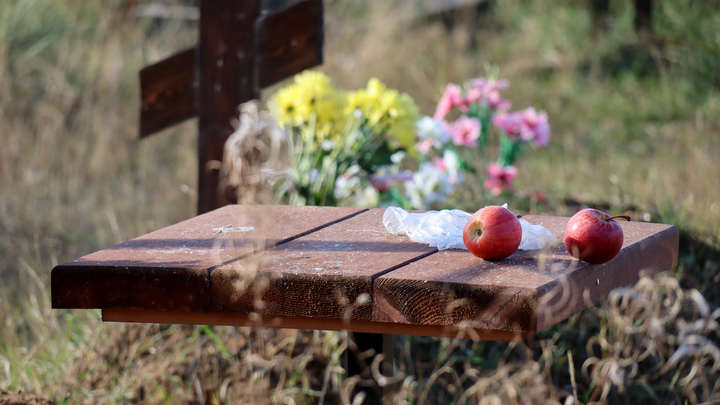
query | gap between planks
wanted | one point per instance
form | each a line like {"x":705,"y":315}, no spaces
{"x":286,"y":240}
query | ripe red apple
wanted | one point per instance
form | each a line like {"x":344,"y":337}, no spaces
{"x":594,"y":236}
{"x":492,"y":233}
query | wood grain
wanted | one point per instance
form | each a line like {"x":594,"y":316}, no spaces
{"x":337,"y":268}
{"x":169,"y":268}
{"x":226,"y":78}
{"x":289,"y":41}
{"x":296,"y":322}
{"x":168,"y":92}
{"x":526,"y":292}
{"x":648,"y":249}
{"x":326,"y":274}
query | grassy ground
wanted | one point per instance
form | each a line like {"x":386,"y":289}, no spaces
{"x":635,"y":127}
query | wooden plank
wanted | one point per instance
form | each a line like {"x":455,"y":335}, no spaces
{"x":167,"y":92}
{"x":289,"y":41}
{"x":169,"y":269}
{"x":524,"y":293}
{"x":648,"y":249}
{"x":326,"y":274}
{"x":298,"y":322}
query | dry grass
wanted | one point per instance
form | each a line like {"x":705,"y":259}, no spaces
{"x":74,"y":178}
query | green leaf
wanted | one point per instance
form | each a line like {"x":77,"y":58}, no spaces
{"x":372,"y":159}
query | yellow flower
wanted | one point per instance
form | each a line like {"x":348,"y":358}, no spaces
{"x":405,"y":113}
{"x":310,"y":99}
{"x":389,"y":111}
{"x":312,"y":103}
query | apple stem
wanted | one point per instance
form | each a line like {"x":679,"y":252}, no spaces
{"x":625,"y":217}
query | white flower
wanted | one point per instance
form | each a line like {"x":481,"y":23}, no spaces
{"x":452,"y":166}
{"x":345,"y":186}
{"x":398,"y":157}
{"x":430,"y":185}
{"x":353,"y":170}
{"x":350,"y":192}
{"x":428,"y":128}
{"x":368,"y":198}
{"x":313,"y":176}
{"x":327,"y":145}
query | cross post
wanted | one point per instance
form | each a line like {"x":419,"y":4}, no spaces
{"x":239,"y":51}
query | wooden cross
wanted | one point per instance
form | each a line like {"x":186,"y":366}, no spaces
{"x":239,"y":51}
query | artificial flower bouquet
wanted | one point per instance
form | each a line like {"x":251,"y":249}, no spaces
{"x":371,"y":147}
{"x":339,"y":139}
{"x":461,"y":125}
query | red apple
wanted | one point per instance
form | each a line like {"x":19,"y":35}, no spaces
{"x":492,"y":233}
{"x":594,"y":236}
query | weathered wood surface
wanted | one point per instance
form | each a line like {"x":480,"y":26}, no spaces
{"x":337,"y":268}
{"x":526,"y":292}
{"x":289,"y":41}
{"x":167,"y":92}
{"x":169,"y":269}
{"x":326,"y":274}
{"x":226,"y":78}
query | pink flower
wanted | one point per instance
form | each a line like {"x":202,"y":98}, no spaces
{"x":496,"y":102}
{"x":542,"y":134}
{"x":440,"y":163}
{"x":536,"y":127}
{"x":511,"y":123}
{"x":489,"y":85}
{"x":500,"y":178}
{"x":425,"y":145}
{"x":472,"y":96}
{"x":489,"y":93}
{"x":451,"y":98}
{"x":465,"y":131}
{"x":449,"y":164}
{"x":529,"y":125}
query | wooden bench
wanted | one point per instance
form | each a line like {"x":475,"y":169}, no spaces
{"x":338,"y":269}
{"x":330,"y":268}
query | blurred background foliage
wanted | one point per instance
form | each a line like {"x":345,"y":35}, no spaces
{"x":635,"y":118}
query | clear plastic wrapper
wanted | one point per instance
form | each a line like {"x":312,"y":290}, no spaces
{"x":535,"y":236}
{"x":443,"y":229}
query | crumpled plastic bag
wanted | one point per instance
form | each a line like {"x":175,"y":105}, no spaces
{"x":535,"y":237}
{"x":443,"y":229}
